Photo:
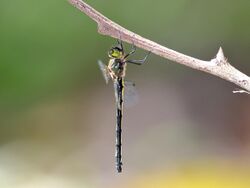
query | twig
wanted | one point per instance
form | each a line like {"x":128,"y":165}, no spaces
{"x":241,"y":91}
{"x":218,"y":66}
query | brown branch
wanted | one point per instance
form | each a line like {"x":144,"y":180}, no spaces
{"x":218,"y":66}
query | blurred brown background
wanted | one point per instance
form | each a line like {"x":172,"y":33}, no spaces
{"x":57,"y":116}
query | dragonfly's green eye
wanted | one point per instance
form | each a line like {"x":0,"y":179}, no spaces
{"x":115,"y":52}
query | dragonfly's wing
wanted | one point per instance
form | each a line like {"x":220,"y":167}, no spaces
{"x":104,"y":70}
{"x":130,"y":94}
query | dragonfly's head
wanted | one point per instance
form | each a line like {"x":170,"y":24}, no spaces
{"x":115,"y":52}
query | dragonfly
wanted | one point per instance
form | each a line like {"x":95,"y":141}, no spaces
{"x":116,"y":70}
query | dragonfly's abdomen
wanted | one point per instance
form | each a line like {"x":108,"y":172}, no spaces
{"x":119,"y":95}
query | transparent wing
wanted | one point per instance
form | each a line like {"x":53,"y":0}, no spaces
{"x":130,"y":94}
{"x":104,"y":70}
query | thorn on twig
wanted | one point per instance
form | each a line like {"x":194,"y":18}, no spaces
{"x":220,"y":58}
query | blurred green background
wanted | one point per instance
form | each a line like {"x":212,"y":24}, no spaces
{"x":57,"y":116}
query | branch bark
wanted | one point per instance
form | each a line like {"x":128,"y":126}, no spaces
{"x":218,"y":66}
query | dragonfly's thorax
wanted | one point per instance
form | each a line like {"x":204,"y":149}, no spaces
{"x":117,"y":68}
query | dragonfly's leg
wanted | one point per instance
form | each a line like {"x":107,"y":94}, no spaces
{"x":139,"y":61}
{"x":119,"y":41}
{"x":131,"y":52}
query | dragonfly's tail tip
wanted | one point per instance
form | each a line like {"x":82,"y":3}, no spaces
{"x":119,"y":169}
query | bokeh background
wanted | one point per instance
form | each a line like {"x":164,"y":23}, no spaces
{"x":57,"y":116}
